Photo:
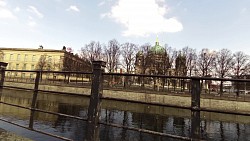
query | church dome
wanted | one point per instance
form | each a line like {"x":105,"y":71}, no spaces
{"x":157,"y":49}
{"x":139,"y":53}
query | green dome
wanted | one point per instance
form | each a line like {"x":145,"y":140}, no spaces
{"x":157,"y":49}
{"x":139,"y":53}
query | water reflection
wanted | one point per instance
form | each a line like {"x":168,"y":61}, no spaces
{"x":174,"y":121}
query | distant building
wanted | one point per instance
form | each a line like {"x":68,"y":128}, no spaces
{"x":155,"y":61}
{"x":42,"y":59}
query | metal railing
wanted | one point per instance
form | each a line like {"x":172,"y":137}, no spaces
{"x":195,"y":87}
{"x":238,"y":89}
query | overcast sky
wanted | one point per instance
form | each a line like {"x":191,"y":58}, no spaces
{"x":213,"y":24}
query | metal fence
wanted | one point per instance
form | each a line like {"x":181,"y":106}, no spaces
{"x":195,"y":87}
{"x":237,"y":89}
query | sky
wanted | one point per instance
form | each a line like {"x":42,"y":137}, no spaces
{"x":212,"y":24}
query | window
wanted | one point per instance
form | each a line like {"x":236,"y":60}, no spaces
{"x":18,"y":57}
{"x":50,"y":59}
{"x":34,"y":58}
{"x":32,"y":67}
{"x":11,"y":57}
{"x":26,"y":57}
{"x":4,"y":57}
{"x":31,"y":76}
{"x":23,"y":75}
{"x":9,"y":66}
{"x":24,"y":66}
{"x":17,"y":66}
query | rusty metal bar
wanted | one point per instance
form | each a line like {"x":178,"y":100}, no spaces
{"x":138,"y":75}
{"x":2,"y":77}
{"x":33,"y":104}
{"x":195,"y":94}
{"x":146,"y":131}
{"x":195,"y":109}
{"x":44,"y":71}
{"x":95,"y":101}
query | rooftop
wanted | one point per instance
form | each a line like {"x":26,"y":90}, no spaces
{"x":31,"y":49}
{"x":157,"y":49}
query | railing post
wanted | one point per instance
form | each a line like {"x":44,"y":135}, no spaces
{"x":2,"y":69}
{"x":95,"y":101}
{"x":31,"y":121}
{"x":195,"y":108}
{"x":38,"y":74}
{"x":2,"y":77}
{"x":33,"y":104}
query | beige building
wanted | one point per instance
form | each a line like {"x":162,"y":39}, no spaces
{"x":41,"y":59}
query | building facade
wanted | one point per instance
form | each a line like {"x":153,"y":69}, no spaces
{"x":155,"y":61}
{"x":41,"y":59}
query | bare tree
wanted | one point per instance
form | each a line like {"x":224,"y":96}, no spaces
{"x":166,"y":65}
{"x":129,"y":53}
{"x":55,"y":64}
{"x":112,"y":52}
{"x":223,"y":65}
{"x":92,"y":51}
{"x":241,"y":66}
{"x":180,"y":64}
{"x":191,"y":57}
{"x":145,"y":60}
{"x":43,"y":63}
{"x":142,"y":62}
{"x":205,"y":63}
{"x":172,"y":54}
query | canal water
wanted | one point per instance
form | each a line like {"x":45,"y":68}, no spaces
{"x":175,"y":121}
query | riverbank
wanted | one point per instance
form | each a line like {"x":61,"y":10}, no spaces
{"x":180,"y":101}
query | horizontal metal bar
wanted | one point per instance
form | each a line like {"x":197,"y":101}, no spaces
{"x":47,"y":91}
{"x":64,"y":72}
{"x":224,"y":112}
{"x":178,"y":77}
{"x":147,"y":75}
{"x":14,"y":105}
{"x":18,"y":88}
{"x":146,"y":131}
{"x":139,"y":75}
{"x":60,"y":114}
{"x":110,"y":98}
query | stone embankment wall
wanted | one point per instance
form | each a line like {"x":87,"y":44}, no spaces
{"x":148,"y":98}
